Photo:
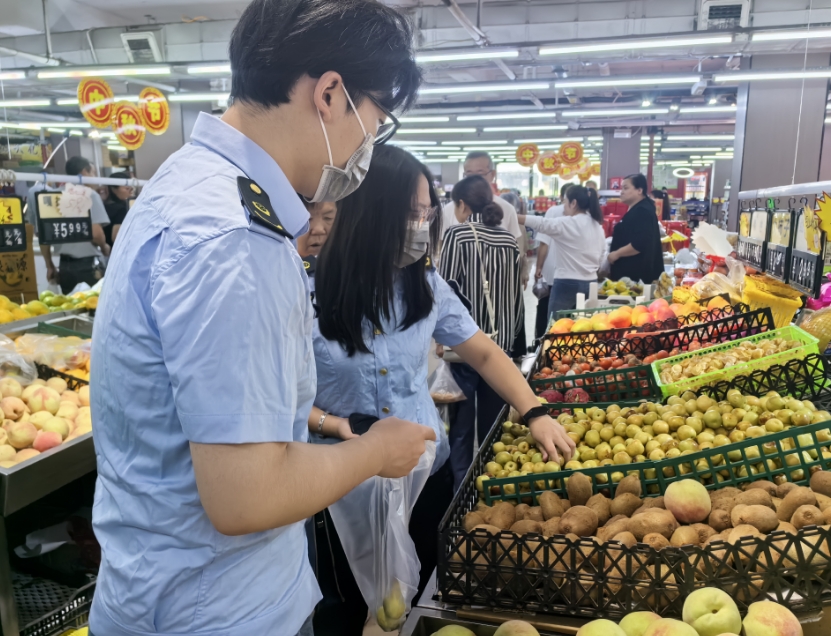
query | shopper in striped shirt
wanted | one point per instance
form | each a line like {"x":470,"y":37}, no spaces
{"x":485,"y":263}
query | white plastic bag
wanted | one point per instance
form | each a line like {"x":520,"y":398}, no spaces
{"x":443,"y":386}
{"x":14,"y":365}
{"x":373,"y":526}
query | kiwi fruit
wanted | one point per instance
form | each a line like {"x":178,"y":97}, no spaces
{"x":655,"y":520}
{"x":826,"y":515}
{"x":491,"y":530}
{"x":484,"y":510}
{"x":807,"y":516}
{"x":533,"y":514}
{"x":579,"y":489}
{"x":602,"y":506}
{"x":656,"y":541}
{"x":799,"y":496}
{"x":823,"y":502}
{"x":613,"y":528}
{"x":626,"y":538}
{"x":473,"y":519}
{"x":625,"y":504}
{"x":684,"y":535}
{"x":519,"y":510}
{"x":704,"y":532}
{"x":754,"y":497}
{"x":760,"y":517}
{"x":720,"y":520}
{"x":503,"y":515}
{"x":630,"y":484}
{"x":550,"y":527}
{"x":526,"y":526}
{"x":768,"y":486}
{"x":579,"y":520}
{"x":820,"y":483}
{"x":551,"y":505}
{"x":784,"y":488}
{"x":786,"y":526}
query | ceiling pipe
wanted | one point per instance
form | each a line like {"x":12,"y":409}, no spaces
{"x":47,"y":31}
{"x":472,"y":30}
{"x":34,"y":57}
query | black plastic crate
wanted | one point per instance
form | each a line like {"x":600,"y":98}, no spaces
{"x":72,"y":614}
{"x":605,"y":387}
{"x":44,"y":373}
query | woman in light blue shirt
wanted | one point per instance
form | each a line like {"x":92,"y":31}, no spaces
{"x":379,"y":304}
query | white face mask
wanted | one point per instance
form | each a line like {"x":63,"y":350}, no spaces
{"x":415,"y":245}
{"x":336,"y":183}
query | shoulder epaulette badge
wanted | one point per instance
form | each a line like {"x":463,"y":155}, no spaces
{"x":309,"y":263}
{"x":259,"y":207}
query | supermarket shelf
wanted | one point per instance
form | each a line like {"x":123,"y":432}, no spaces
{"x":20,"y":326}
{"x":27,"y":482}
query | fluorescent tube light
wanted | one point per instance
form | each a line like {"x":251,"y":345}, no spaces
{"x":776,"y":75}
{"x":68,"y":73}
{"x":701,"y":137}
{"x":692,"y":150}
{"x":708,"y":109}
{"x":595,"y":138}
{"x":12,"y":75}
{"x":24,"y":103}
{"x":627,"y":81}
{"x":550,"y":140}
{"x":407,"y":142}
{"x":629,"y":45}
{"x":551,"y":114}
{"x":525,"y":128}
{"x":461,"y":56}
{"x":793,"y":34}
{"x":198,"y":97}
{"x":474,"y":142}
{"x":435,"y":131}
{"x":76,"y":133}
{"x":423,"y":120}
{"x":215,"y":69}
{"x":615,"y":112}
{"x":483,"y":88}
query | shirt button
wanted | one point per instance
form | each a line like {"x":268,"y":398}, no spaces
{"x":384,"y":372}
{"x":386,"y":409}
{"x":377,"y":332}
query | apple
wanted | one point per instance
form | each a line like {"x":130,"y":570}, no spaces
{"x":657,"y":304}
{"x":601,"y":627}
{"x":767,"y":618}
{"x":636,"y":623}
{"x":712,"y":612}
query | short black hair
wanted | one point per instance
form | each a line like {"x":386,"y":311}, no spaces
{"x":638,"y":182}
{"x":564,"y":188}
{"x":76,"y":165}
{"x":276,"y":42}
{"x":356,"y":272}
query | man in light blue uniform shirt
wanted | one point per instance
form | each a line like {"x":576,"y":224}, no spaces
{"x":203,"y":373}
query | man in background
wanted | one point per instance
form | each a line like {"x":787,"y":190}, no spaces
{"x":480,"y":163}
{"x":78,"y":262}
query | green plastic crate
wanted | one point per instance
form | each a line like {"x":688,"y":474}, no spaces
{"x":809,"y":345}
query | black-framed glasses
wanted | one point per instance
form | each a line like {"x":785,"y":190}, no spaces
{"x":388,"y":130}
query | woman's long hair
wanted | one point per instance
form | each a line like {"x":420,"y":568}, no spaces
{"x":356,"y":274}
{"x":586,"y":199}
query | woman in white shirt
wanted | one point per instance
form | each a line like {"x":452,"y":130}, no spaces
{"x":578,"y":244}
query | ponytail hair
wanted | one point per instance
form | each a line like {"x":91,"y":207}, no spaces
{"x":586,"y":199}
{"x":492,"y":214}
{"x":476,"y":194}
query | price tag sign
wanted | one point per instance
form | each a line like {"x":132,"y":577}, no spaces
{"x":56,"y":226}
{"x":12,"y":228}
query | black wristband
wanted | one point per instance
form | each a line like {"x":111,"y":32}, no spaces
{"x":537,"y":411}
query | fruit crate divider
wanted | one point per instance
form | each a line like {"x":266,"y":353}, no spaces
{"x":508,"y":583}
{"x":641,"y":375}
{"x":45,"y":372}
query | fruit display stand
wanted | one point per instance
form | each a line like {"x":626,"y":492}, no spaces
{"x":29,"y":324}
{"x":581,"y":577}
{"x":20,"y":486}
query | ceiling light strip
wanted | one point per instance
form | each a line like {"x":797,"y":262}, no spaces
{"x":639,"y":44}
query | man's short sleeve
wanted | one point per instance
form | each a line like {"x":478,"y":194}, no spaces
{"x":454,"y":324}
{"x":231,"y":319}
{"x":98,"y":213}
{"x":509,"y":221}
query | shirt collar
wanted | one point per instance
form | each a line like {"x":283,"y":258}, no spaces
{"x":257,"y":164}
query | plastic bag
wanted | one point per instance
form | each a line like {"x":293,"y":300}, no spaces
{"x":14,"y":365}
{"x":373,"y":526}
{"x":715,"y":284}
{"x":53,"y":351}
{"x":443,"y":386}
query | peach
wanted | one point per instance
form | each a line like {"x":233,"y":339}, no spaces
{"x":636,"y":623}
{"x":600,"y":323}
{"x":658,"y":303}
{"x":644,"y":318}
{"x":4,"y":436}
{"x":677,"y":309}
{"x":83,"y":392}
{"x":13,"y":408}
{"x":21,"y":434}
{"x":601,"y":627}
{"x":67,"y":410}
{"x":71,"y":396}
{"x":45,"y":399}
{"x":581,"y":325}
{"x":627,"y":309}
{"x":688,"y":501}
{"x":516,"y":628}
{"x":9,"y":387}
{"x":38,"y":382}
{"x":767,"y":618}
{"x":669,"y":627}
{"x":7,"y":453}
{"x":56,"y":425}
{"x":711,"y":611}
{"x":84,"y":420}
{"x":25,"y":454}
{"x":664,"y":313}
{"x":7,"y":464}
{"x":28,"y":391}
{"x":40,"y":418}
{"x":57,"y":384}
{"x":620,"y":319}
{"x":46,"y":440}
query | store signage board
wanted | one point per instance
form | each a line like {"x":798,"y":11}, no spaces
{"x":753,"y":233}
{"x":12,"y":228}
{"x":778,"y":251}
{"x":805,"y":272}
{"x":59,"y":224}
